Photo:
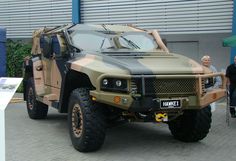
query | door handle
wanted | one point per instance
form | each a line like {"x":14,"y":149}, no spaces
{"x":39,"y":68}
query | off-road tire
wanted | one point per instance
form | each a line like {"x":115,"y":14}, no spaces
{"x":86,"y":121}
{"x":36,"y":109}
{"x":192,"y":126}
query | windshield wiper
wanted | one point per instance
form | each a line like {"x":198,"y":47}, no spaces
{"x":102,"y":43}
{"x":131,"y":43}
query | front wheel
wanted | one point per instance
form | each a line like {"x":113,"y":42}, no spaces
{"x":86,"y":121}
{"x":192,"y":126}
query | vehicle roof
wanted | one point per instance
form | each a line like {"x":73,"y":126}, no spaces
{"x":91,"y":27}
{"x":114,"y":28}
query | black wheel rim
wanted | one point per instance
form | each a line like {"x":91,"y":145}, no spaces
{"x":77,"y":120}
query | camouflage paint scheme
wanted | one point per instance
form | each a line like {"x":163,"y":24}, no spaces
{"x":57,"y":75}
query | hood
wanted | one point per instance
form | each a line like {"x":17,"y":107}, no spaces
{"x":138,"y":63}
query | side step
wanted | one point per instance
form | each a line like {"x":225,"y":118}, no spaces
{"x":50,"y":97}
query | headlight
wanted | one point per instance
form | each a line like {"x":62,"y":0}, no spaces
{"x":105,"y":82}
{"x":114,"y":85}
{"x":118,"y":83}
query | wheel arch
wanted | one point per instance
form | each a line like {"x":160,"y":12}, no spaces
{"x":27,"y":74}
{"x":72,"y":80}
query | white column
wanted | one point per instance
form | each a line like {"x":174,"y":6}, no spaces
{"x":2,"y":135}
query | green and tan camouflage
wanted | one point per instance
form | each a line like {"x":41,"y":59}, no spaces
{"x":125,"y":70}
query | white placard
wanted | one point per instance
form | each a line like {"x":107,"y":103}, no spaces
{"x":8,"y":87}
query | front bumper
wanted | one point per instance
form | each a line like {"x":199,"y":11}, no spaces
{"x":142,"y":102}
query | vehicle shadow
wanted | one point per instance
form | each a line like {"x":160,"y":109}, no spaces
{"x":129,"y":137}
{"x":142,"y":136}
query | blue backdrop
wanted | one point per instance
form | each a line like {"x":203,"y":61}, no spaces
{"x":2,"y":52}
{"x":233,"y":50}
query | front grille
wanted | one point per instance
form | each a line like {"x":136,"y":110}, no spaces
{"x":203,"y":87}
{"x":155,"y":86}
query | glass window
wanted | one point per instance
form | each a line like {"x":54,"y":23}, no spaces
{"x":91,"y":41}
{"x":99,"y":41}
{"x":55,"y":45}
{"x":138,"y":40}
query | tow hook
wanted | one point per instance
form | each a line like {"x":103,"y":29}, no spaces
{"x":161,"y":117}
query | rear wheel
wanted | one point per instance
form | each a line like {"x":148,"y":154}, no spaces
{"x":192,"y":126}
{"x":86,"y":122}
{"x":36,"y":109}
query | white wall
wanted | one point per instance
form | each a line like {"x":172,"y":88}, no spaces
{"x":210,"y":44}
{"x":168,"y":16}
{"x":21,"y":17}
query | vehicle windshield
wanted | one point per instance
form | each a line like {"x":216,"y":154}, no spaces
{"x":138,"y":40}
{"x":98,"y":41}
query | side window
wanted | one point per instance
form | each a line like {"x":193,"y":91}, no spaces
{"x":52,"y":46}
{"x":56,"y":46}
{"x":46,"y":46}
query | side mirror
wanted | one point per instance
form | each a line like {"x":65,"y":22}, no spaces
{"x":46,"y":46}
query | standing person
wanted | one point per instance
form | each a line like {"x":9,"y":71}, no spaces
{"x":231,"y":83}
{"x":206,"y":61}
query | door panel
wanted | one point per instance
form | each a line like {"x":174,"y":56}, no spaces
{"x":51,"y":73}
{"x":38,"y":77}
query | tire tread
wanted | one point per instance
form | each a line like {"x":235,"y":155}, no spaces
{"x":192,"y":126}
{"x":93,"y":135}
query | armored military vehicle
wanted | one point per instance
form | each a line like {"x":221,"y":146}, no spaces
{"x":99,"y":74}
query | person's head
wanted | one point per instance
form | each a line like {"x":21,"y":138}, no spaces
{"x":206,"y":60}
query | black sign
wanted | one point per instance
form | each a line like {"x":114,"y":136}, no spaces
{"x":170,"y":103}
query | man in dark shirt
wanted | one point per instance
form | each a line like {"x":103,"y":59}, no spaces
{"x":231,"y":82}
